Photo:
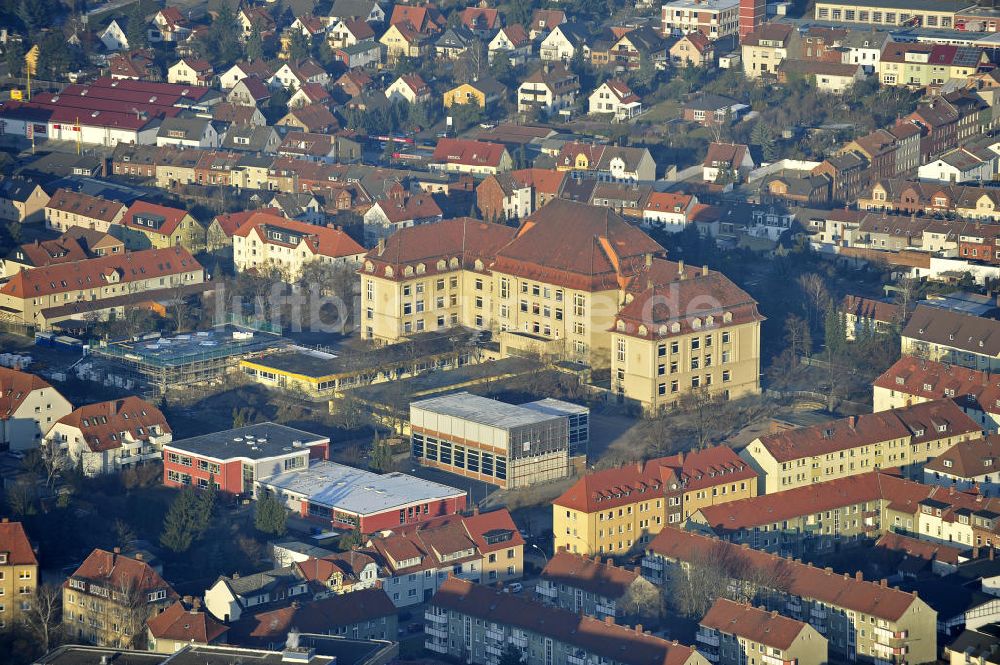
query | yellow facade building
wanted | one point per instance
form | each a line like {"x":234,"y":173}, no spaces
{"x":18,"y":574}
{"x":905,"y":438}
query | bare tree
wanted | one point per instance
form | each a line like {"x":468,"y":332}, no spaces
{"x":817,"y":297}
{"x":643,"y":600}
{"x":54,"y":460}
{"x":130,"y":614}
{"x":43,"y":616}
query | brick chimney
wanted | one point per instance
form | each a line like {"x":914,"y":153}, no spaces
{"x":638,"y":628}
{"x":883,"y":582}
{"x":117,"y":550}
{"x":138,"y":556}
{"x":859,"y":576}
{"x":609,"y":620}
{"x":851,"y":421}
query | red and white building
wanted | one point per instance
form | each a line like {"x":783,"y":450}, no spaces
{"x":234,"y":460}
{"x":348,"y":498}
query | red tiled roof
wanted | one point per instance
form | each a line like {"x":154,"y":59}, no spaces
{"x":359,"y":28}
{"x":102,"y":423}
{"x":78,"y":203}
{"x":914,"y":423}
{"x":610,"y":488}
{"x":921,"y":549}
{"x":14,"y":541}
{"x":321,"y":240}
{"x":468,"y":152}
{"x":602,"y":579}
{"x":50,"y":252}
{"x":120,"y":572}
{"x":516,"y":35}
{"x":618,"y":643}
{"x":172,"y":217}
{"x":15,"y":386}
{"x":757,"y":625}
{"x":230,"y":222}
{"x":725,"y":154}
{"x":803,"y":580}
{"x":315,"y":91}
{"x":179,"y":624}
{"x":424,"y":18}
{"x":668,"y":201}
{"x":969,"y":459}
{"x":545,"y":181}
{"x":480,"y":18}
{"x":314,"y":117}
{"x":869,"y":308}
{"x":417,"y":206}
{"x":95,"y":273}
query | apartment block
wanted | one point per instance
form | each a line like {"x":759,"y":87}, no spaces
{"x":599,"y":589}
{"x":477,"y":623}
{"x":952,"y":337}
{"x":736,"y":634}
{"x":18,"y":573}
{"x":862,"y":621}
{"x":615,"y":510}
{"x":713,"y":18}
{"x":416,"y":560}
{"x":918,"y":13}
{"x":905,"y":437}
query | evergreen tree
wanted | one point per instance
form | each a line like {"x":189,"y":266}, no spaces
{"x":511,"y":656}
{"x":381,"y":455}
{"x":135,"y":29}
{"x":182,"y":524}
{"x":269,"y":515}
{"x":33,"y":14}
{"x":764,"y":137}
{"x":298,"y":46}
{"x":255,"y":44}
{"x":14,"y":56}
{"x":834,"y":330}
{"x":223,"y":37}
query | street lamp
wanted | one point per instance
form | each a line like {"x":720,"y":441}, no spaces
{"x":540,"y":551}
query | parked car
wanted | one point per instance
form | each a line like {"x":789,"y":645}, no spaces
{"x":514,"y":587}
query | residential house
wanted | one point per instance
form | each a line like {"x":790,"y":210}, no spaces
{"x":106,"y":437}
{"x":847,"y":174}
{"x":187,"y":133}
{"x":544,"y":21}
{"x":252,"y":138}
{"x":710,"y":110}
{"x":339,"y":573}
{"x":693,"y":50}
{"x":426,"y":18}
{"x":191,"y":71}
{"x":68,"y":208}
{"x":766,"y":47}
{"x":363,"y":55}
{"x":169,"y":25}
{"x":628,"y":52}
{"x":469,"y":156}
{"x":614,"y":97}
{"x":905,"y":437}
{"x":293,"y":75}
{"x":22,"y":200}
{"x":546,"y":184}
{"x":398,"y":211}
{"x":512,"y":42}
{"x":148,"y":225}
{"x":668,"y":211}
{"x":562,"y":43}
{"x":231,"y":598}
{"x":183,"y":624}
{"x":250,"y":91}
{"x":418,"y":559}
{"x":309,"y":93}
{"x":736,"y":633}
{"x":99,"y":599}
{"x":269,"y":240}
{"x":482,"y":21}
{"x":39,"y":253}
{"x":833,"y":78}
{"x":483,"y":92}
{"x":715,"y":19}
{"x":550,"y":89}
{"x":19,"y":576}
{"x":251,"y":17}
{"x":409,"y":88}
{"x":113,"y":37}
{"x":727,"y":160}
{"x":314,"y":118}
{"x":241,"y":70}
{"x":137,"y":65}
{"x":868,"y":316}
{"x":918,"y":65}
{"x":495,"y":618}
{"x":401,"y":40}
{"x":349,"y":32}
{"x":29,"y":407}
{"x":970,"y":465}
{"x":587,"y":586}
{"x":953,"y":337}
{"x":964,"y":164}
{"x":502,"y":197}
{"x":365,"y":10}
{"x":454,"y":42}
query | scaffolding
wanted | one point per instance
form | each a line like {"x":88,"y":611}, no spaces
{"x":185,"y":360}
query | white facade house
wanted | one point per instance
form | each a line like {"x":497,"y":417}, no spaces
{"x":229,"y":597}
{"x":561,"y":44}
{"x":268,"y":239}
{"x":188,"y":133}
{"x":29,"y":407}
{"x":109,"y":436}
{"x":114,"y":38}
{"x":408,"y":88}
{"x":615,"y":98}
{"x":961,"y":165}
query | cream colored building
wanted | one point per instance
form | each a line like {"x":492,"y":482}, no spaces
{"x":928,"y":14}
{"x":30,"y":407}
{"x":266,"y":239}
{"x":700,"y":332}
{"x":18,"y":574}
{"x":767,"y":47}
{"x":904,"y":438}
{"x":571,"y":282}
{"x":68,"y":208}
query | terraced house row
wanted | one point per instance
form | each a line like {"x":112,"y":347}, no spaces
{"x":573,"y":281}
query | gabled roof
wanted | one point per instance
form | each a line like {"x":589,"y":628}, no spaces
{"x":547,"y":19}
{"x":623,"y":94}
{"x":620,"y":644}
{"x":921,"y":549}
{"x":180,"y":624}
{"x":754,"y":624}
{"x":516,"y":35}
{"x":725,"y":154}
{"x":254,"y":87}
{"x":314,"y":117}
{"x":422,"y":18}
{"x":601,"y":579}
{"x":78,"y":203}
{"x":545,"y":181}
{"x":803,"y":580}
{"x":117,"y":571}
{"x":48,"y":252}
{"x":480,"y":18}
{"x":870,"y":308}
{"x":972,"y":334}
{"x":969,"y":459}
{"x":102,"y":424}
{"x":14,"y":542}
{"x":468,"y":152}
{"x":171,"y":217}
{"x":778,"y":33}
{"x":230,"y":222}
{"x":320,"y":240}
{"x":417,"y":206}
{"x":97,"y":272}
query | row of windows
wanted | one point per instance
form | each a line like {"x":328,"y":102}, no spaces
{"x":458,"y":456}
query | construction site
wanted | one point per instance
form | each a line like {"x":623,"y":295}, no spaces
{"x":152,"y":366}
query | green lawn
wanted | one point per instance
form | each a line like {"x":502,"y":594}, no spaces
{"x":668,"y":109}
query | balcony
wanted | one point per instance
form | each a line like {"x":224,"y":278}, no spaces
{"x":519,"y":641}
{"x":606,"y":610}
{"x":495,"y":635}
{"x":818,"y":612}
{"x":887,"y":637}
{"x":794,"y":606}
{"x":494,"y":650}
{"x":711,"y":639}
{"x":574,"y":659}
{"x":435,"y":631}
{"x":889,"y":651}
{"x":434,"y":617}
{"x":435,"y":646}
{"x":710,"y":656}
{"x":652,"y":562}
{"x":768,"y":659}
{"x":544,"y":589}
